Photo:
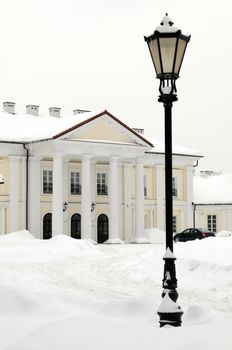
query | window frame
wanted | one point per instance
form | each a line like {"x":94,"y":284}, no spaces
{"x":212,"y":222}
{"x":48,"y":191}
{"x":174,"y":186}
{"x":75,"y":171}
{"x":101,"y":173}
{"x":174,"y":224}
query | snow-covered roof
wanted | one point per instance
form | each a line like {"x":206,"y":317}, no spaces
{"x":159,"y":148}
{"x":214,"y":189}
{"x":27,"y":127}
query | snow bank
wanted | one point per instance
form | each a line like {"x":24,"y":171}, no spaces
{"x":63,"y":240}
{"x":224,"y":234}
{"x":141,"y":240}
{"x":24,"y":234}
{"x":19,"y":238}
{"x":155,"y":235}
{"x":91,"y":332}
{"x":66,"y":293}
{"x":114,"y":241}
{"x":25,"y":238}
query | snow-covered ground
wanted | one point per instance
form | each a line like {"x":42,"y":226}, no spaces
{"x":70,"y":294}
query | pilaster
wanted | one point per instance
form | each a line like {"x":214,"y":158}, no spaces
{"x":127,"y":201}
{"x":189,"y":195}
{"x":159,"y":185}
{"x":86,"y":222}
{"x":114,"y":217}
{"x":139,"y":200}
{"x":14,"y":176}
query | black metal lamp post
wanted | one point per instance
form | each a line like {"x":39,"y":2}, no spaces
{"x":167,"y":47}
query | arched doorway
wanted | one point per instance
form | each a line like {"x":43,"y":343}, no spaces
{"x":102,"y":228}
{"x":47,"y":226}
{"x":76,"y":226}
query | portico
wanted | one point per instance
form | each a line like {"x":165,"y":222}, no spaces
{"x":88,"y":176}
{"x":117,"y":203}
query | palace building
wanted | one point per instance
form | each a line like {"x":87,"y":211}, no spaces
{"x":88,"y":175}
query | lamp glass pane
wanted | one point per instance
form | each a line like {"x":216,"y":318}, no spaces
{"x":154,"y":51}
{"x":179,"y":55}
{"x":167,"y":47}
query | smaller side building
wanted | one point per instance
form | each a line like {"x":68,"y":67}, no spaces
{"x":212,"y":205}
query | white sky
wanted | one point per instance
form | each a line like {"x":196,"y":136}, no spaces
{"x":92,"y":55}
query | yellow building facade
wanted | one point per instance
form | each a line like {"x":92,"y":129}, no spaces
{"x":89,"y":176}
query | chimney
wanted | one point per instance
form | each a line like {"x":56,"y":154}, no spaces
{"x":9,"y":107}
{"x":54,"y":112}
{"x":79,"y":111}
{"x":138,"y":130}
{"x":32,"y":109}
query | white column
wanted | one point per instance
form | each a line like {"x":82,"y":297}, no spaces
{"x":14,"y":193}
{"x":139,"y":200}
{"x":66,"y":184}
{"x":159,"y":186}
{"x":86,"y":225}
{"x":114,"y":226}
{"x":93,"y":198}
{"x":57,"y":196}
{"x":127,"y":201}
{"x":23,"y":192}
{"x":189,"y":195}
{"x":34,"y":196}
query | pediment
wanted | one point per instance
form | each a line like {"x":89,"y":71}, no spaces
{"x":104,"y":129}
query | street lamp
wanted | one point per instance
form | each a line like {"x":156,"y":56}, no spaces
{"x":167,"y":47}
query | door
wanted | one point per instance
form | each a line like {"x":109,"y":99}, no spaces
{"x":102,"y":228}
{"x":47,"y":226}
{"x":76,"y":226}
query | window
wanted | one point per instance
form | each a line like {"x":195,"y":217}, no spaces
{"x":145,"y":185}
{"x":174,"y":229}
{"x":174,"y":186}
{"x":47,"y":181}
{"x":102,"y":184}
{"x":75,"y":183}
{"x":212,"y":223}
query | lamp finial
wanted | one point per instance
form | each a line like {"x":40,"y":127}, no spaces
{"x":166,"y":21}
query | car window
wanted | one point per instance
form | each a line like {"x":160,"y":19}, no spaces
{"x":186,"y":232}
{"x":196,"y":233}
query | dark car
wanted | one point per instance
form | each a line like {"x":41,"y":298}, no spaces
{"x":192,"y":233}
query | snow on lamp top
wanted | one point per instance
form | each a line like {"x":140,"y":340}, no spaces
{"x":169,"y":254}
{"x":166,"y":26}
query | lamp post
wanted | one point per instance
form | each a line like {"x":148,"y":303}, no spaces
{"x":167,"y":47}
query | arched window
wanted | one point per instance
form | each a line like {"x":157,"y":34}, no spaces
{"x":47,"y":226}
{"x":102,"y":228}
{"x":76,"y":226}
